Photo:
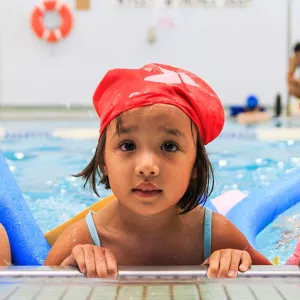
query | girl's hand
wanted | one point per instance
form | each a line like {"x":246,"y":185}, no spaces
{"x":226,"y":263}
{"x":93,"y":261}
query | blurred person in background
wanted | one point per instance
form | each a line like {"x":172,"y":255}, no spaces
{"x":253,"y":112}
{"x":293,"y":77}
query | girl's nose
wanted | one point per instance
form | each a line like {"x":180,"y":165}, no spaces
{"x":147,"y":165}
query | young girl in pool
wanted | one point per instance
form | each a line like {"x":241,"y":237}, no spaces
{"x":5,"y":256}
{"x":155,"y":122}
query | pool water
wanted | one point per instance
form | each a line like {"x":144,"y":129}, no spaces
{"x":43,"y":168}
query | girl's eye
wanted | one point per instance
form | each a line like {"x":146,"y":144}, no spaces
{"x":169,"y":147}
{"x":127,"y":146}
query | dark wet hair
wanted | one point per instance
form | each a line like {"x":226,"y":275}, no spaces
{"x":297,"y":48}
{"x":199,"y":189}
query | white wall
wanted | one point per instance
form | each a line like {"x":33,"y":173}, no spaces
{"x":238,"y":51}
{"x":295,"y":21}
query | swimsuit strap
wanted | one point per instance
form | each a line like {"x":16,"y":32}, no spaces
{"x":92,"y":228}
{"x":207,"y":232}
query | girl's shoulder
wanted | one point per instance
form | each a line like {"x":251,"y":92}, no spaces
{"x":225,"y":235}
{"x":77,"y":232}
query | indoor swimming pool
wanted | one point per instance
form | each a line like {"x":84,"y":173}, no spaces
{"x":43,"y":166}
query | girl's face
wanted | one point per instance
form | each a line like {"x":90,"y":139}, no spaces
{"x":150,"y":162}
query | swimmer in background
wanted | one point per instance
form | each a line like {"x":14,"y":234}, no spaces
{"x":291,"y":233}
{"x":5,"y":255}
{"x":292,"y":76}
{"x":294,"y":259}
{"x":155,"y":123}
{"x":253,"y":113}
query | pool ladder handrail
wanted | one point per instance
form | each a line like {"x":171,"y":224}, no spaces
{"x":147,"y":272}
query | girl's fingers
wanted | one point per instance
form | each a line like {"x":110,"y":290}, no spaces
{"x":94,"y":261}
{"x":89,"y":258}
{"x":214,"y":264}
{"x":69,"y":261}
{"x":111,"y":262}
{"x":227,"y":262}
{"x":235,"y":262}
{"x":77,"y":258}
{"x":245,"y":261}
{"x":224,"y":265}
{"x":100,"y":261}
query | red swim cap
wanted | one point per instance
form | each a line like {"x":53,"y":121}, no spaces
{"x":123,"y":89}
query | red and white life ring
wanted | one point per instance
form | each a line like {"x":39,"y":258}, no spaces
{"x":51,"y":35}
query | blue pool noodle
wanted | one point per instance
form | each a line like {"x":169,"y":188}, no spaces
{"x":261,"y":207}
{"x":28,"y":244}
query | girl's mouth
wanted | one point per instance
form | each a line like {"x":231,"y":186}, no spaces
{"x":146,"y":193}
